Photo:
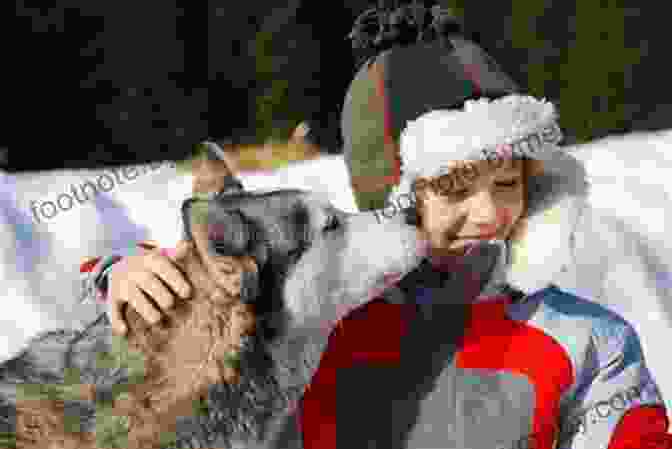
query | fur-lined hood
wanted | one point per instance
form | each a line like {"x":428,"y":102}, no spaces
{"x":542,"y":244}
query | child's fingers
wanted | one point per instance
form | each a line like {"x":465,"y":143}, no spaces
{"x":169,"y":273}
{"x":181,"y":251}
{"x":156,"y":290}
{"x":137,"y":299}
{"x":225,"y":266}
{"x":249,"y":264}
{"x":230,"y":283}
{"x":116,"y":319}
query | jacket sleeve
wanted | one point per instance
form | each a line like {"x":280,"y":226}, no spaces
{"x":615,"y":403}
{"x":94,"y":273}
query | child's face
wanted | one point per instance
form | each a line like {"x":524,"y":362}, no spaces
{"x":475,"y":201}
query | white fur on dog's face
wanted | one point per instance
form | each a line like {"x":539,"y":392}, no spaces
{"x":483,"y":206}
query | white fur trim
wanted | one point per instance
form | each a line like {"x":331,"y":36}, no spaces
{"x":526,"y":125}
{"x":438,"y":137}
{"x":541,"y":255}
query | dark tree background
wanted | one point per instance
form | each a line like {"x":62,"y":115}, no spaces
{"x":602,"y":61}
{"x":92,"y":83}
{"x":96,"y":83}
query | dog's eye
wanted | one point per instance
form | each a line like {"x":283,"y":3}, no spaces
{"x":332,"y":223}
{"x":229,"y":235}
{"x":294,"y":255}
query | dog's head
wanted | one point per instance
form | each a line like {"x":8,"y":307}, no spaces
{"x":273,"y":228}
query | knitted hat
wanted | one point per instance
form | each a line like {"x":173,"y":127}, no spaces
{"x":438,"y":90}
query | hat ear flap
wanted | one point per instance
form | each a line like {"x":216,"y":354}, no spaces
{"x":367,"y":150}
{"x":517,"y":240}
{"x":534,"y":167}
{"x":531,"y":167}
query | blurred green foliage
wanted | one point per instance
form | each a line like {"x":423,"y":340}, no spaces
{"x":573,"y":53}
{"x":594,"y":70}
{"x":132,"y":361}
{"x":276,"y":55}
{"x":69,"y":390}
{"x":8,"y":440}
{"x":272,"y":99}
{"x":168,"y":440}
{"x":111,"y":429}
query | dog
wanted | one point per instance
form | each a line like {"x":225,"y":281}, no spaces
{"x":227,"y":365}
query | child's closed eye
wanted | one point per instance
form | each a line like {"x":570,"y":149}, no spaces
{"x":510,"y":183}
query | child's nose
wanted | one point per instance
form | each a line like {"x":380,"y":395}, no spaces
{"x":483,"y":210}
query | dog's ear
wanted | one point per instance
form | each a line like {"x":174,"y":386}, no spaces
{"x":212,"y":167}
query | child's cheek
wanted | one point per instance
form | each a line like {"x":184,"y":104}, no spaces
{"x":504,"y":217}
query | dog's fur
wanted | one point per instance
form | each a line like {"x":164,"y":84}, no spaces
{"x":183,"y":356}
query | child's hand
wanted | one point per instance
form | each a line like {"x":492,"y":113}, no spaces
{"x":151,"y":275}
